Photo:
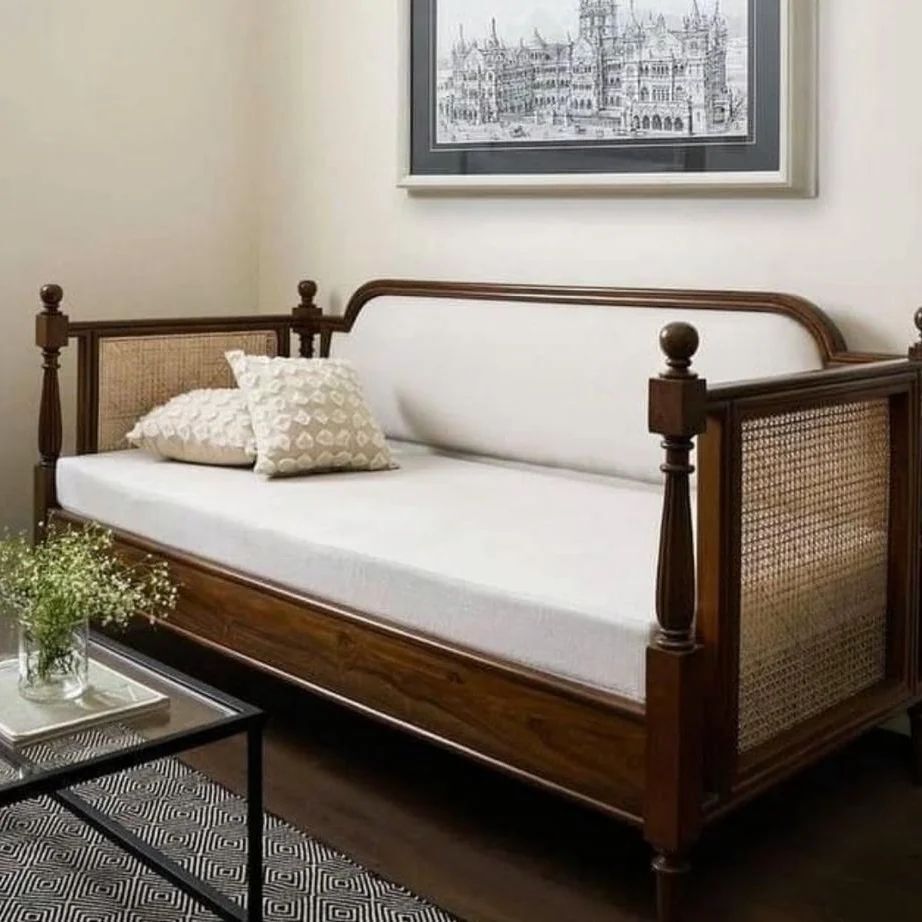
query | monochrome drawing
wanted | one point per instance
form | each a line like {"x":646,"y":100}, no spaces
{"x":526,"y":71}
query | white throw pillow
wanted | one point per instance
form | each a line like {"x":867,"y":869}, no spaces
{"x":201,"y":427}
{"x":309,"y":415}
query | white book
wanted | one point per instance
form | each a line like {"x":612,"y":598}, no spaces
{"x":109,"y":696}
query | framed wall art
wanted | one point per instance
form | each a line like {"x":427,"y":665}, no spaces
{"x":620,"y":95}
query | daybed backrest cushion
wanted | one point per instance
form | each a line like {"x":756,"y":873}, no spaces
{"x":558,"y":385}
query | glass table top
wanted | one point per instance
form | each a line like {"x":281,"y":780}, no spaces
{"x":195,"y":712}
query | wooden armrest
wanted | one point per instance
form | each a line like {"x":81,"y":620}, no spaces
{"x":803,"y":582}
{"x":126,"y":367}
{"x":177,"y":326}
{"x":838,"y":380}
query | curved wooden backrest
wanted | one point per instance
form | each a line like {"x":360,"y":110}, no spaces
{"x":828,"y":337}
{"x":498,"y":369}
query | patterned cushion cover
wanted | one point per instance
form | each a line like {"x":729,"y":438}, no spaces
{"x":309,"y":415}
{"x":200,"y":427}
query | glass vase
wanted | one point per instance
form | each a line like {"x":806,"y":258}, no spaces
{"x":53,"y":663}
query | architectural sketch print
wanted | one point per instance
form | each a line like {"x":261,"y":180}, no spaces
{"x":540,"y":71}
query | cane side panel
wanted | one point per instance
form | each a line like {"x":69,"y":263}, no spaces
{"x":814,"y":532}
{"x":139,"y":373}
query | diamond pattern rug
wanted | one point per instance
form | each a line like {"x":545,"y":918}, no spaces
{"x":53,"y":868}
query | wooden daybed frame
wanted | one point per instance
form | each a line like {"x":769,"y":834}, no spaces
{"x":677,"y":763}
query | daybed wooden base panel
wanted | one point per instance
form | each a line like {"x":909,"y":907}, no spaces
{"x":770,"y":650}
{"x":582,"y":744}
{"x":585,"y":744}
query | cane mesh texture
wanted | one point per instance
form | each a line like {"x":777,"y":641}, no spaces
{"x":813,"y":606}
{"x":139,"y":373}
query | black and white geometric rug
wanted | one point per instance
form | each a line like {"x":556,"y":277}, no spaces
{"x":53,"y":868}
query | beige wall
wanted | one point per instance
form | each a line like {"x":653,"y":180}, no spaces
{"x":126,"y":174}
{"x":331,"y":209}
{"x":179,"y":157}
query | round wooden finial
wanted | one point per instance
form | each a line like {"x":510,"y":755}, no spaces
{"x":679,"y":342}
{"x":307,"y":289}
{"x":52,"y":295}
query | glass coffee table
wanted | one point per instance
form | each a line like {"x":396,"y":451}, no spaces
{"x":197,"y":715}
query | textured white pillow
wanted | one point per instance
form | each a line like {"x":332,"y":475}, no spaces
{"x":309,"y":415}
{"x":201,"y":427}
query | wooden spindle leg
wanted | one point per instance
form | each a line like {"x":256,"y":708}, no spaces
{"x":672,"y":873}
{"x":915,"y":724}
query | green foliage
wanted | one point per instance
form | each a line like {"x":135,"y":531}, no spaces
{"x":72,"y":576}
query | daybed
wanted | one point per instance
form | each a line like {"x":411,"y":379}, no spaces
{"x":499,"y":594}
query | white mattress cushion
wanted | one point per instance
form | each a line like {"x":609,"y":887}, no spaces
{"x":537,"y":567}
{"x":559,"y":385}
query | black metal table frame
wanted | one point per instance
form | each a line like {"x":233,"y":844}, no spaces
{"x":54,"y":782}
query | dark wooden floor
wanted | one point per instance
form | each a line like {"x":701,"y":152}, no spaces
{"x":842,"y":843}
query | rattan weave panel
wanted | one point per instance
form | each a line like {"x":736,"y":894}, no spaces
{"x":813,"y":607}
{"x":138,"y":373}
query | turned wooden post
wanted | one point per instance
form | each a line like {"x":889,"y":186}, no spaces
{"x":915,"y":350}
{"x":675,"y":687}
{"x":915,"y":713}
{"x":51,"y":336}
{"x":677,"y":402}
{"x":306,"y":316}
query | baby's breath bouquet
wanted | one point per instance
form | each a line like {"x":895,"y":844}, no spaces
{"x":57,"y":587}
